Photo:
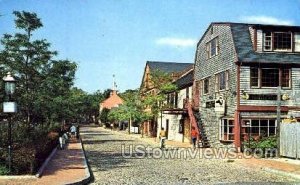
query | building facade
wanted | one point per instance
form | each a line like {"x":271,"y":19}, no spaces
{"x":241,"y":69}
{"x":174,"y":117}
{"x":150,"y":127}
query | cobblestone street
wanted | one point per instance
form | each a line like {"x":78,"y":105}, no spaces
{"x":104,"y":152}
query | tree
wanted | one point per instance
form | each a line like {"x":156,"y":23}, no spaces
{"x":162,"y":84}
{"x":43,"y":83}
{"x":131,"y":110}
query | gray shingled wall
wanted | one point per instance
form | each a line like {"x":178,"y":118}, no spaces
{"x":208,"y":68}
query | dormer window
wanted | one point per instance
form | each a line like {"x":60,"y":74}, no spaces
{"x":297,"y":42}
{"x":281,"y":41}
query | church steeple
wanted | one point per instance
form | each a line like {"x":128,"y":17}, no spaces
{"x":114,"y":86}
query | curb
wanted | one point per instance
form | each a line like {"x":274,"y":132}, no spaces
{"x":18,"y":177}
{"x":281,"y":172}
{"x":87,"y":177}
{"x":42,"y":168}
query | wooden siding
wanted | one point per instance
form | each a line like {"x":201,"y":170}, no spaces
{"x":289,"y":140}
{"x":245,"y":85}
{"x":259,"y":41}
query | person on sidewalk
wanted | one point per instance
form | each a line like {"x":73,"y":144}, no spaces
{"x":194,"y":136}
{"x":162,"y":136}
{"x":73,"y":131}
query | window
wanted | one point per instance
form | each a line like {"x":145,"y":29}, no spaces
{"x":222,"y":81}
{"x":297,"y":42}
{"x":285,"y":78}
{"x":282,"y":41}
{"x":187,"y":93}
{"x":212,"y":48}
{"x":227,"y":130}
{"x":176,"y":100}
{"x":254,"y":77}
{"x":206,"y":86}
{"x":270,"y":77}
{"x":257,"y":128}
{"x":268,"y":41}
{"x":181,"y":126}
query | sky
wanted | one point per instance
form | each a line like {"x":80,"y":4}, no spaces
{"x":117,"y":37}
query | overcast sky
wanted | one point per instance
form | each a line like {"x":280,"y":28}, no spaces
{"x":107,"y":37}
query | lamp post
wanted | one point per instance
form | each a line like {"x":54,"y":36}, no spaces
{"x":9,"y":107}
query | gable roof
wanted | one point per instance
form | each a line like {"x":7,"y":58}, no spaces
{"x":168,"y":67}
{"x":185,"y":80}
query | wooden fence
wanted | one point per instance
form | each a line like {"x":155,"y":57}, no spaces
{"x":290,"y":140}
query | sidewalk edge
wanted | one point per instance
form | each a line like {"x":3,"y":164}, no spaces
{"x":42,"y":168}
{"x":281,"y":172}
{"x":87,"y":177}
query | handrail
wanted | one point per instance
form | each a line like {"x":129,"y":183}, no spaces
{"x":188,"y":106}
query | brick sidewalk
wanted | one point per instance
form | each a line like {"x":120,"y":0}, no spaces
{"x":285,"y":166}
{"x":66,"y":167}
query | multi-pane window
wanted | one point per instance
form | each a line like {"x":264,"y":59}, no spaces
{"x":282,"y":41}
{"x":268,"y":41}
{"x":227,"y":130}
{"x":270,"y":77}
{"x":206,"y":86}
{"x":297,"y":42}
{"x":212,"y":48}
{"x":256,"y":128}
{"x":222,"y":80}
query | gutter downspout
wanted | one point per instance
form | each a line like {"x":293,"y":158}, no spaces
{"x":237,"y":133}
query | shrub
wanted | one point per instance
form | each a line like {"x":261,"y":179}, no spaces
{"x":3,"y":170}
{"x":31,"y":145}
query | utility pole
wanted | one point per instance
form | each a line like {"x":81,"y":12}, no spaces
{"x":278,"y":118}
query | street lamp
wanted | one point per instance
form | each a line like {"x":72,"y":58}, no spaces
{"x":9,"y":107}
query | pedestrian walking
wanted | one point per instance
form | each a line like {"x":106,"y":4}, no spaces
{"x":162,"y":136}
{"x":194,"y":135}
{"x":73,"y":130}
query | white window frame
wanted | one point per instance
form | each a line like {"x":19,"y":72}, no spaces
{"x":296,"y":35}
{"x":271,"y":41}
{"x":222,"y":132}
{"x":208,"y":48}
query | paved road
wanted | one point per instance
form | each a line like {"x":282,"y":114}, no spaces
{"x":110,"y":166}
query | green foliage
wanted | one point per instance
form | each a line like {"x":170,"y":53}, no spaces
{"x":3,"y":170}
{"x":263,"y":143}
{"x":42,"y":81}
{"x":104,"y":115}
{"x":162,"y":83}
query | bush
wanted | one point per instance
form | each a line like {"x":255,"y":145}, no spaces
{"x":263,"y":143}
{"x":31,"y":145}
{"x":3,"y":170}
